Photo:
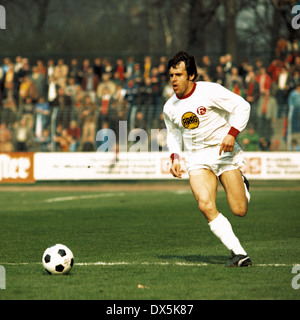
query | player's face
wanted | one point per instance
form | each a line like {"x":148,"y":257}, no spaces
{"x":181,"y":82}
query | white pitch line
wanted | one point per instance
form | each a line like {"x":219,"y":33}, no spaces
{"x":82,"y":197}
{"x":19,"y":263}
{"x":95,"y":196}
{"x":100,"y":263}
{"x":185,"y":264}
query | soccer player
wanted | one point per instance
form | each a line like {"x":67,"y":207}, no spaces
{"x":207,"y":118}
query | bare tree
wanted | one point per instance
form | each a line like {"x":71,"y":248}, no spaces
{"x":156,"y":27}
{"x":201,"y":14}
{"x":42,"y":12}
{"x":168,"y":18}
{"x":182,"y":23}
{"x":230,"y":28}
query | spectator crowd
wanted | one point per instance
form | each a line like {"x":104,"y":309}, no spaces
{"x":60,"y":106}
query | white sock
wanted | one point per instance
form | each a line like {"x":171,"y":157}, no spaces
{"x":221,"y":227}
{"x":247,"y":193}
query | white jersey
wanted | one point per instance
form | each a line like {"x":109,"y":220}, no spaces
{"x":204,"y":117}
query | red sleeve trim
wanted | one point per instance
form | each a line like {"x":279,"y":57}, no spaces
{"x":174,"y":156}
{"x":233,"y":132}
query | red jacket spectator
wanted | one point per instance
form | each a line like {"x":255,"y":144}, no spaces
{"x":275,"y":68}
{"x":264,"y":80}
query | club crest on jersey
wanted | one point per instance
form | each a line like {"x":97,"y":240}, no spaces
{"x":201,"y":111}
{"x":190,"y":120}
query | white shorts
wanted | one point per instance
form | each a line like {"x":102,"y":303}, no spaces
{"x":209,"y":158}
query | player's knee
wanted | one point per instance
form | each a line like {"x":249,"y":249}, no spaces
{"x":240,"y":210}
{"x":206,"y":206}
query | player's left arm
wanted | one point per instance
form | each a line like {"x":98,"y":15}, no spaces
{"x":239,"y":113}
{"x":227,"y":144}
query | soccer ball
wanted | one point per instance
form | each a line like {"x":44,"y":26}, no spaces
{"x":58,"y":259}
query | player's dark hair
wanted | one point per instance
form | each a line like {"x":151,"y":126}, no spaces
{"x":190,"y":64}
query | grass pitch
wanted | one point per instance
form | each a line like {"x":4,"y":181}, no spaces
{"x":147,"y":245}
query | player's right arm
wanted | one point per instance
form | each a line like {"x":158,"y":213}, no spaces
{"x":176,"y":167}
{"x":174,"y":141}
